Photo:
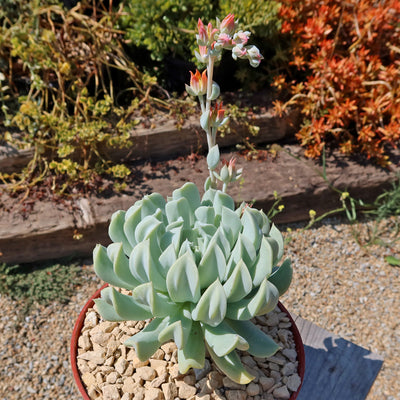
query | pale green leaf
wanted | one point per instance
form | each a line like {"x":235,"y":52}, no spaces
{"x":211,"y":308}
{"x":220,"y":239}
{"x":223,"y":339}
{"x":251,"y":230}
{"x":104,"y":268}
{"x":167,"y":258}
{"x":239,"y":284}
{"x":180,"y":208}
{"x":105,"y":306}
{"x":183,"y":280}
{"x":262,"y":268}
{"x":222,"y":199}
{"x":260,"y":301}
{"x":131,"y":222}
{"x":116,"y":230}
{"x":146,"y":227}
{"x":204,"y":214}
{"x":260,"y":344}
{"x":212,"y":265}
{"x":193,"y":353}
{"x":128,"y":308}
{"x":208,"y":197}
{"x":121,"y":266}
{"x":178,"y":329}
{"x":213,"y":157}
{"x":144,"y":267}
{"x":281,"y":277}
{"x":146,"y":341}
{"x":232,"y":367}
{"x":275,"y":233}
{"x":243,"y":250}
{"x":231,"y":224}
{"x":190,"y":192}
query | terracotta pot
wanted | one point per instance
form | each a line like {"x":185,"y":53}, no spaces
{"x":81,"y":318}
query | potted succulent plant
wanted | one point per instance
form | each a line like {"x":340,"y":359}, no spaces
{"x":195,"y":268}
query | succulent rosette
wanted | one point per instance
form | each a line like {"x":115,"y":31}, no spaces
{"x":199,"y":270}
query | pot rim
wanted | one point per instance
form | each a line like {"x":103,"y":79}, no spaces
{"x":81,"y":319}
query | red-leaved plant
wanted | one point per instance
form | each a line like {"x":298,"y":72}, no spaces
{"x":349,"y":52}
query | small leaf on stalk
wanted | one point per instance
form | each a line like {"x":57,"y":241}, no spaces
{"x":215,"y":91}
{"x":213,"y":157}
{"x":205,"y":120}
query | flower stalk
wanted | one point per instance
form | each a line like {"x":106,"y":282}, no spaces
{"x":212,"y":41}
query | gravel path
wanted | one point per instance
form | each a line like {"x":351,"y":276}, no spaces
{"x":338,"y":284}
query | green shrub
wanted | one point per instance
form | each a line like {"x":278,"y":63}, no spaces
{"x":165,"y":27}
{"x":59,"y":89}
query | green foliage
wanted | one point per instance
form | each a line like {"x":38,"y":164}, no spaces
{"x":41,"y":285}
{"x":165,"y":27}
{"x":201,"y":269}
{"x":58,"y":89}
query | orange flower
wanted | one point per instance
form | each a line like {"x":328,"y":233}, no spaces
{"x":198,"y":83}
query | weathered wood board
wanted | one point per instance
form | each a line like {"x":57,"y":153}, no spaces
{"x":336,"y":369}
{"x":166,"y":140}
{"x":46,"y":231}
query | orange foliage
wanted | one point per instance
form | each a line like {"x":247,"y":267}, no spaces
{"x":350,"y":51}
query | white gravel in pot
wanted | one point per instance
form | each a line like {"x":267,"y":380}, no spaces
{"x":111,"y":371}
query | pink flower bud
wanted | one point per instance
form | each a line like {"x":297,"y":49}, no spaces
{"x":202,"y":37}
{"x":228,"y":24}
{"x":211,"y":32}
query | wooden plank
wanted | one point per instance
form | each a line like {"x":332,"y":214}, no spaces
{"x":336,"y":369}
{"x":47,"y":230}
{"x":167,"y":141}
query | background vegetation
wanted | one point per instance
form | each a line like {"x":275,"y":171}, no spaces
{"x":75,"y":78}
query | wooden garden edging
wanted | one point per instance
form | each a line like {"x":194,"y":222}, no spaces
{"x":166,"y":140}
{"x":72,"y":228}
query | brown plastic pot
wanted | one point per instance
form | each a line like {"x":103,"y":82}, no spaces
{"x":81,"y":318}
